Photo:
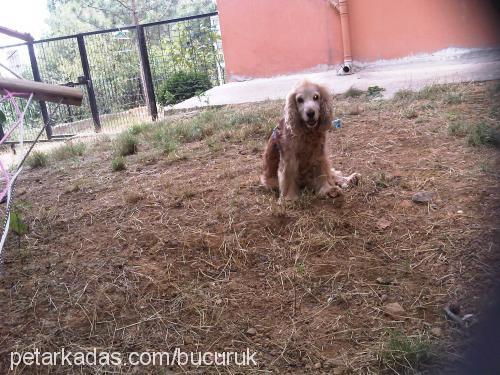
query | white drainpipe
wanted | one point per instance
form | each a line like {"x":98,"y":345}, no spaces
{"x":341,"y":7}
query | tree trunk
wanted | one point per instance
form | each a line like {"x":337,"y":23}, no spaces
{"x":135,"y":20}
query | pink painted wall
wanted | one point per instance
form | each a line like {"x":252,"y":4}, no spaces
{"x":386,"y":29}
{"x":271,"y":37}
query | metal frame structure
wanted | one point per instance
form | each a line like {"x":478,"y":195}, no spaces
{"x":87,"y":76}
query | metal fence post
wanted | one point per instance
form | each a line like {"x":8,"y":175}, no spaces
{"x":146,"y":72}
{"x":36,"y":77}
{"x":90,"y":87}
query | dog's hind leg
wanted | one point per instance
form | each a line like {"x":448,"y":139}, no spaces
{"x":271,"y":160}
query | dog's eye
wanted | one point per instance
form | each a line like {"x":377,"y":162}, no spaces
{"x":300,"y":100}
{"x":316,"y":97}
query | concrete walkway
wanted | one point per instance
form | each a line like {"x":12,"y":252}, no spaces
{"x":450,"y":65}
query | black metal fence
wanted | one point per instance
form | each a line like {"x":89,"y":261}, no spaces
{"x":127,"y":74}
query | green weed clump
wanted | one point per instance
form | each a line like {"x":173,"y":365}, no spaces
{"x":37,"y":159}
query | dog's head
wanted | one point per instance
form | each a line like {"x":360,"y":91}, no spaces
{"x":309,"y":105}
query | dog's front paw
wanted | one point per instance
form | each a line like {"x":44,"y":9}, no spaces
{"x":288,"y":198}
{"x":338,"y":196}
{"x":335,"y":192}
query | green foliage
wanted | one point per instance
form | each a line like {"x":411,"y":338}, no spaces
{"x":183,"y":85}
{"x":37,"y":159}
{"x":404,"y":95}
{"x":126,"y":144}
{"x":118,"y":164}
{"x":353,"y":92}
{"x":3,"y":119}
{"x":454,"y":98}
{"x":114,"y":61}
{"x":483,"y":134}
{"x":448,"y":93}
{"x":214,"y":126}
{"x":169,"y":145}
{"x":165,"y":139}
{"x":69,"y":151}
{"x":188,"y":58}
{"x":405,"y":352}
{"x":16,"y":224}
{"x":458,"y":128}
{"x":433,"y":92}
{"x":138,"y":128}
{"x":375,"y":91}
{"x":250,"y":117}
{"x":477,"y":134}
{"x":73,"y":16}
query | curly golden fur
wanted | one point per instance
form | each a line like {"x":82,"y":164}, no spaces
{"x":296,"y":153}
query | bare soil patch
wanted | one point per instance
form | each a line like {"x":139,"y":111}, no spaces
{"x":187,"y":250}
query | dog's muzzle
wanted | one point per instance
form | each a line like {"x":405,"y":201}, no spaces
{"x":311,"y":124}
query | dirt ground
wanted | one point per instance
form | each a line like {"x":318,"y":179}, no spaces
{"x":188,"y":251}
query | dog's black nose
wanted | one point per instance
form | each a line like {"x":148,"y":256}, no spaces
{"x":310,"y":114}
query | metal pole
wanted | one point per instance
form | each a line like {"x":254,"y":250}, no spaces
{"x":146,"y":72}
{"x":36,"y":77}
{"x":90,"y":87}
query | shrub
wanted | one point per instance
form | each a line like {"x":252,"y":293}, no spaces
{"x":183,"y":85}
{"x":138,"y":129}
{"x":375,"y":91}
{"x":118,"y":164}
{"x":69,"y":150}
{"x":169,"y":145}
{"x":353,"y":92}
{"x":458,"y":128}
{"x":126,"y":144}
{"x":37,"y":160}
{"x":239,"y":118}
{"x":483,"y":134}
{"x":402,"y":351}
{"x":404,"y":95}
{"x":454,"y":98}
{"x":165,"y":139}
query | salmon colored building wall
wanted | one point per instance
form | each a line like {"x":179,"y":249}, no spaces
{"x":270,"y":37}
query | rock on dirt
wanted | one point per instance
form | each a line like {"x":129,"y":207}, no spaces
{"x":436,"y":331}
{"x":394,"y":308}
{"x":423,"y":197}
{"x":383,"y":281}
{"x":333,"y":362}
{"x":132,"y":197}
{"x":405,"y":203}
{"x":72,"y":189}
{"x":383,"y":224}
{"x":251,"y":331}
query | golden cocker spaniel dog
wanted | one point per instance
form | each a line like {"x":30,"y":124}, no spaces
{"x":296,"y":153}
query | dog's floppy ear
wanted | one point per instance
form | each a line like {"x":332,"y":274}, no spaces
{"x":291,"y":112}
{"x":326,"y":107}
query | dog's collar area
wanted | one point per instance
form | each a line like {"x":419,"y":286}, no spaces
{"x":275,"y":134}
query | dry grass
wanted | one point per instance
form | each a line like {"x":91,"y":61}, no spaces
{"x":68,"y":151}
{"x":118,"y":164}
{"x":37,"y":159}
{"x":185,"y":249}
